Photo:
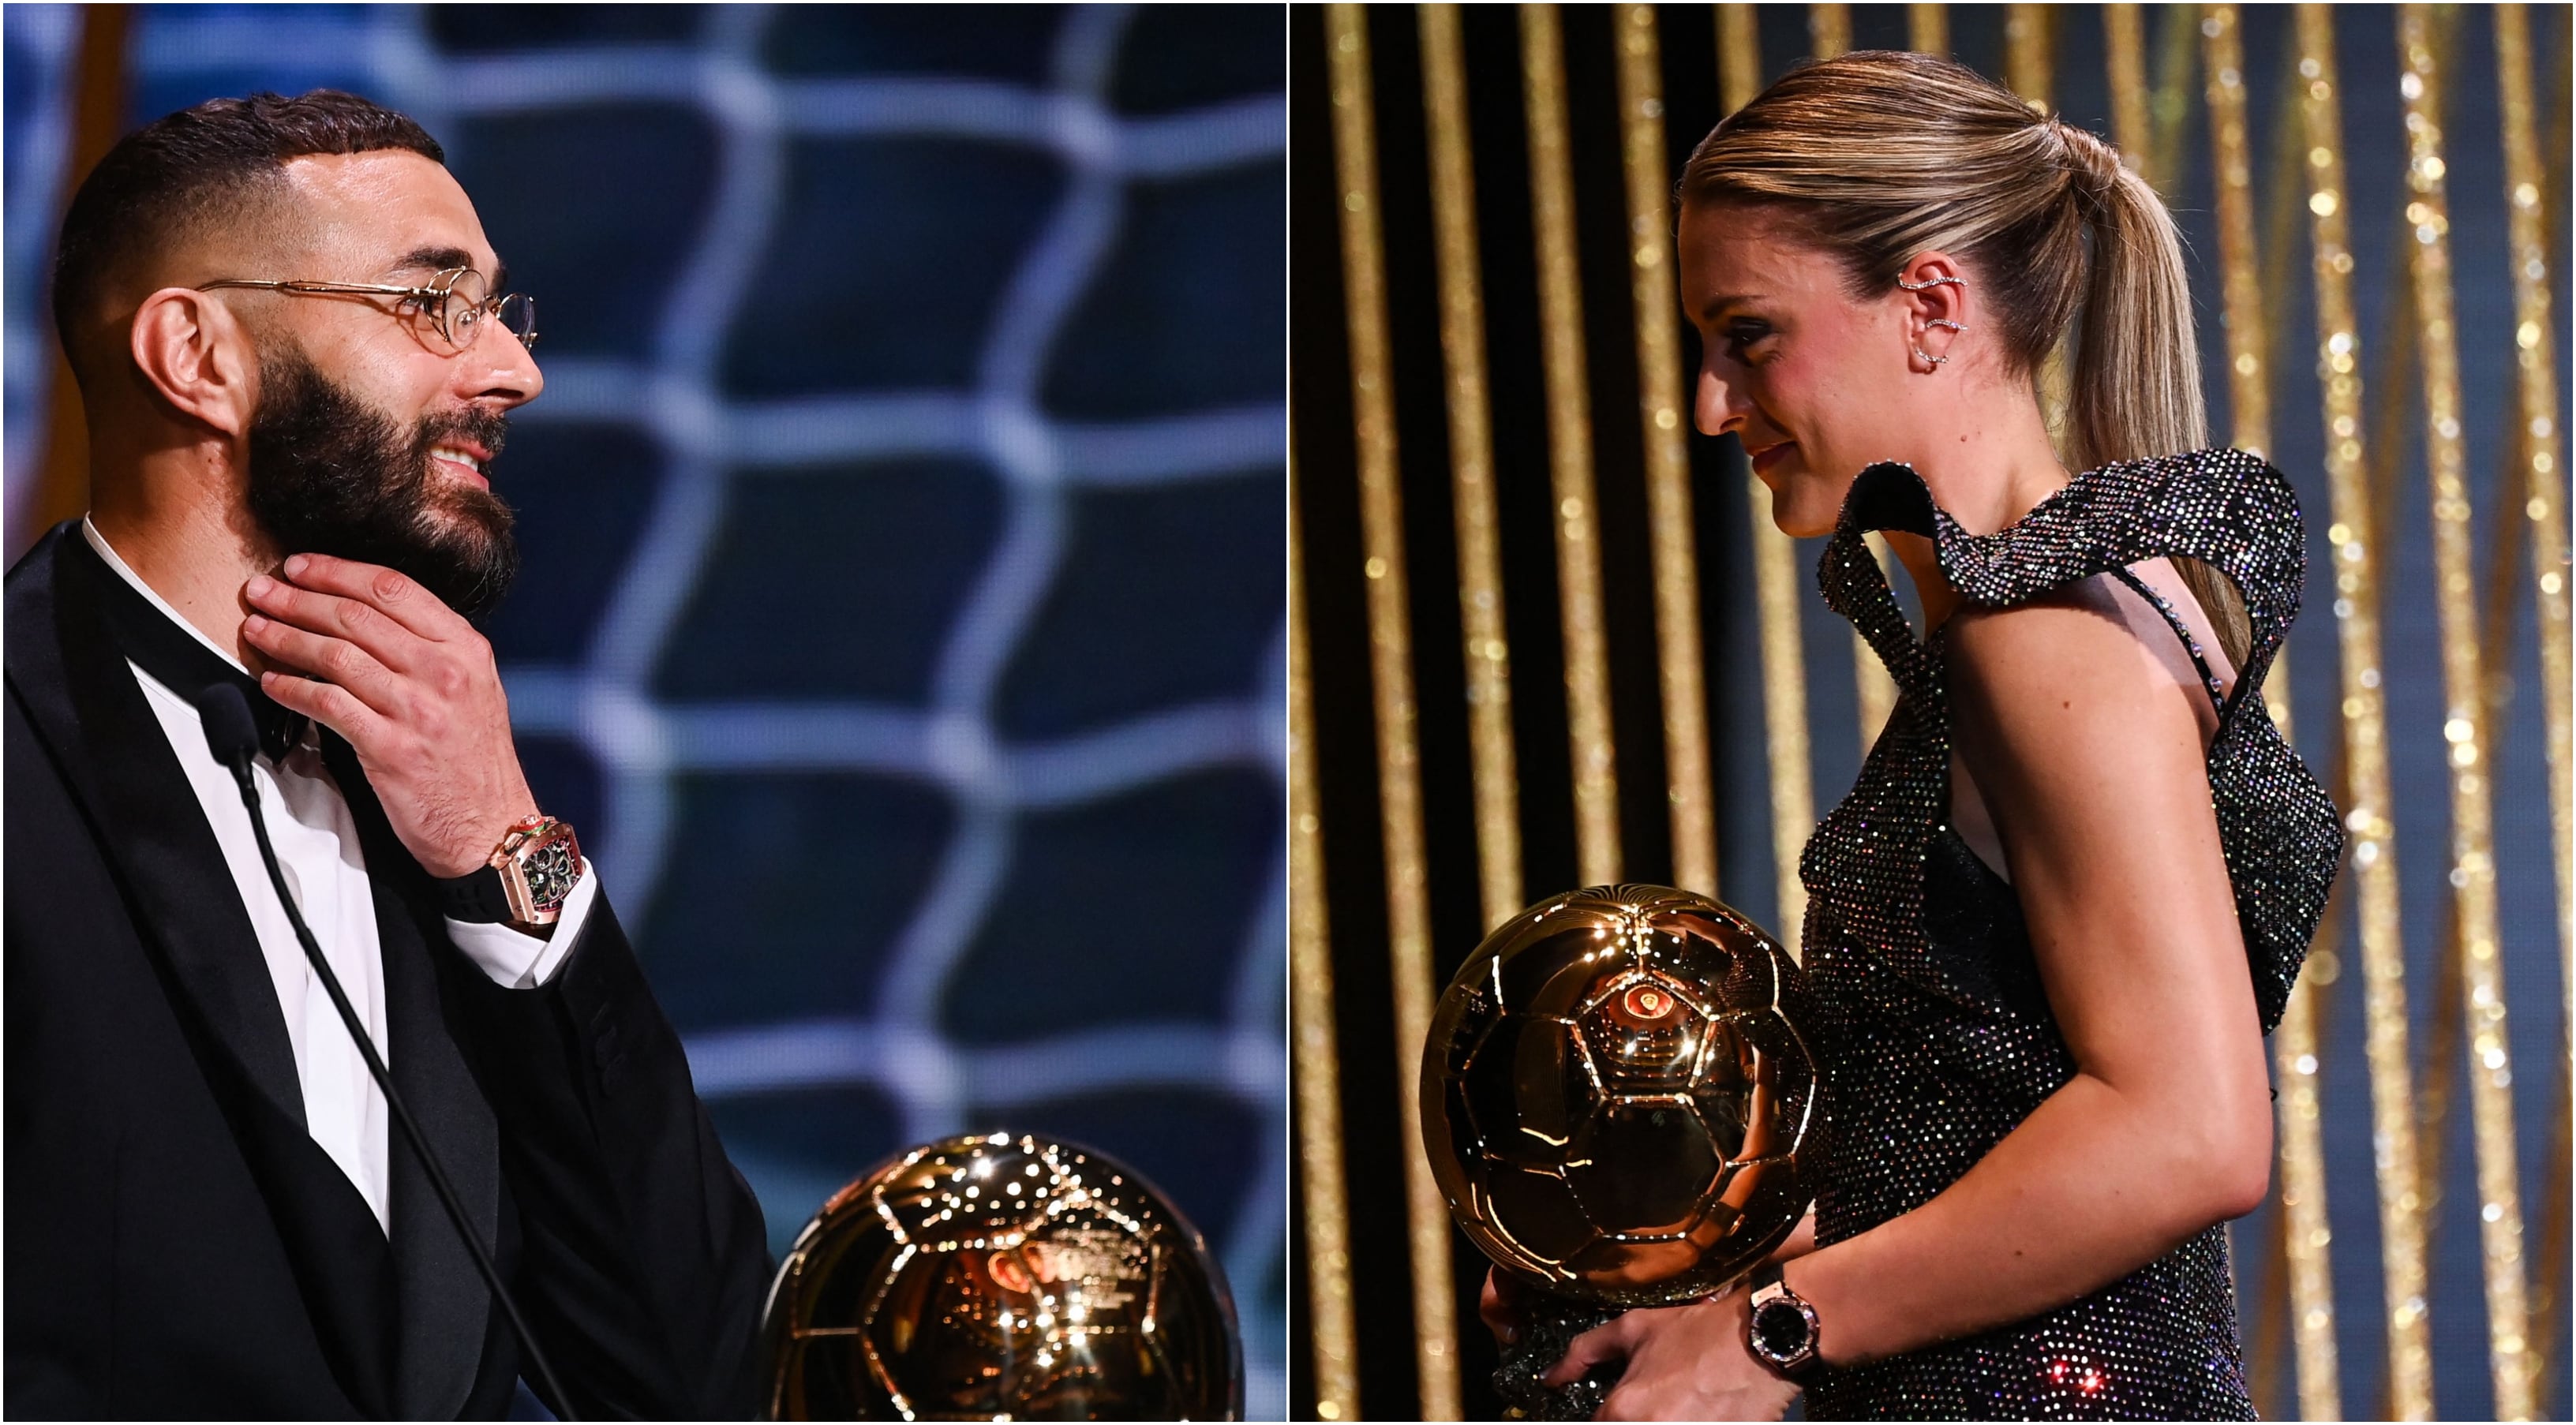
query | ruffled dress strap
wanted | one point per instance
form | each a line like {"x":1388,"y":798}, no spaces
{"x":2227,"y":508}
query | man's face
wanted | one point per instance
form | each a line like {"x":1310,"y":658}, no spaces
{"x":374,"y":437}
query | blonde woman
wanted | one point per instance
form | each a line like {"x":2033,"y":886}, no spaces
{"x":2067,"y":896}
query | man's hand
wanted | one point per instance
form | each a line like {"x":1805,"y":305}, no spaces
{"x":1684,"y":1363}
{"x":411,"y":686}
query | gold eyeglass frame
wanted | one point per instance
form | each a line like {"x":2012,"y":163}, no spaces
{"x":442,"y":287}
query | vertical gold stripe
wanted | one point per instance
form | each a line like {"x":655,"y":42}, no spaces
{"x":2472,"y":807}
{"x":2367,"y":810}
{"x":1927,"y":29}
{"x":2249,"y":396}
{"x":1569,"y":438}
{"x":1391,"y":671}
{"x":2303,"y":1272}
{"x":1310,"y":984}
{"x":2176,"y":49}
{"x":1775,"y":572}
{"x":2303,"y":1205}
{"x":1471,"y":463}
{"x":2028,"y":41}
{"x":2528,"y":212}
{"x":1828,"y":30}
{"x":1688,"y":787}
{"x":2124,"y":42}
{"x":1739,"y":56}
{"x":2544,"y":504}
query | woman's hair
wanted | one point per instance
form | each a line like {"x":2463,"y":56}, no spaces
{"x":1876,"y":156}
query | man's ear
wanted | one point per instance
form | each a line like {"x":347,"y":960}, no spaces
{"x":197,"y":357}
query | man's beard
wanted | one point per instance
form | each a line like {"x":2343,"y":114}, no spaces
{"x":330,"y":474}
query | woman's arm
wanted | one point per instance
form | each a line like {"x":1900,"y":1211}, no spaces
{"x":2091,"y":758}
{"x":2092,"y":762}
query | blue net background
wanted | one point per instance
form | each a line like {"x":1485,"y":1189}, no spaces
{"x":902,"y":613}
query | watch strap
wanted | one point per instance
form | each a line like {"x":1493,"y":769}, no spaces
{"x":477,"y":897}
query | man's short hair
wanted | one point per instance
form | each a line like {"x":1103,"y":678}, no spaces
{"x":200,"y":165}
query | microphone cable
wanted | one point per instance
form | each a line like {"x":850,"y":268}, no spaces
{"x":232,"y":737}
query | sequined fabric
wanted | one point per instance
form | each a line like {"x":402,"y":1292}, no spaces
{"x":1940,"y":1037}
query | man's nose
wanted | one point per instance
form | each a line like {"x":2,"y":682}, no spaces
{"x":499,"y":367}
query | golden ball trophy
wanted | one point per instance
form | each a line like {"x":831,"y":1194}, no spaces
{"x":992,"y":1277}
{"x":1622,"y":1110}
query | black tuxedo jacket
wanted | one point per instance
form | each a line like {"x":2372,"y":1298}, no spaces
{"x":177,"y":1245}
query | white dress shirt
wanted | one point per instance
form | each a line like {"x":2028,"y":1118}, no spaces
{"x":316,"y":841}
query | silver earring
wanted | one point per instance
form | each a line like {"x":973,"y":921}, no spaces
{"x":1945,"y":322}
{"x":1927,"y":356}
{"x":1939,"y":322}
{"x":1935,"y":282}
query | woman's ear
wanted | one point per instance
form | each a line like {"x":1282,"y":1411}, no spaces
{"x":1938,"y":302}
{"x":197,"y":357}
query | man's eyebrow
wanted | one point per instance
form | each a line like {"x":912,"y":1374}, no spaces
{"x":432,"y":259}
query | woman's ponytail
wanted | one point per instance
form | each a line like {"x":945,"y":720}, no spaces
{"x":2136,"y":388}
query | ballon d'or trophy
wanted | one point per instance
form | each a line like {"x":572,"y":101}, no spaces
{"x":992,"y":1277}
{"x":1620,"y":1106}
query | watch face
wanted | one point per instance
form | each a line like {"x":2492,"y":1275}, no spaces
{"x":551,"y":870}
{"x":1780,"y":1330}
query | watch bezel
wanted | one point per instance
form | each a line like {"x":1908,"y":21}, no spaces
{"x":526,"y":839}
{"x":1775,"y":1295}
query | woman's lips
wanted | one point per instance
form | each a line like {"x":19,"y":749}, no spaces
{"x":1769,"y":458}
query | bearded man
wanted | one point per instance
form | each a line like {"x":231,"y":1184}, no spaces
{"x":297,"y":353}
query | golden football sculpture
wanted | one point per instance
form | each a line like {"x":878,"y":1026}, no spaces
{"x":993,"y":1277}
{"x":1618,"y":1097}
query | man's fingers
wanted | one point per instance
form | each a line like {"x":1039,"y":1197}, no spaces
{"x":326,"y":704}
{"x":388,"y":640}
{"x":1601,"y":1343}
{"x":333,"y":661}
{"x":378,"y":587}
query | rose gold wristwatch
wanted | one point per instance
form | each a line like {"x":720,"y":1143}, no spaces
{"x":1781,"y":1327}
{"x":527,"y":880}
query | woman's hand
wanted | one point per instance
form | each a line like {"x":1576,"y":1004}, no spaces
{"x":1499,"y":1306}
{"x":1684,"y":1363}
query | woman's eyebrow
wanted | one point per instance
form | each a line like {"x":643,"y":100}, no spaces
{"x":1709,"y":311}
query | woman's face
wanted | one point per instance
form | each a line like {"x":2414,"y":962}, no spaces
{"x":1816,"y":385}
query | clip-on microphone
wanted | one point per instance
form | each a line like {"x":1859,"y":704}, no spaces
{"x":233,"y":738}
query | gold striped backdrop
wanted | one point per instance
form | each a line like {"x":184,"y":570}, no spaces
{"x":1543,"y":635}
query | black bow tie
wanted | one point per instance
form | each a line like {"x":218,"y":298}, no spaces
{"x":159,"y":646}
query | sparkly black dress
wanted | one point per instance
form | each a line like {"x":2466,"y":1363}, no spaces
{"x":1941,"y":1037}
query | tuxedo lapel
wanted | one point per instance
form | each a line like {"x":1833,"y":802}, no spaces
{"x":80,"y":698}
{"x":446,"y":1308}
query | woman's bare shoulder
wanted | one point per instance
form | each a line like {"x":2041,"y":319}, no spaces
{"x":2093,"y":644}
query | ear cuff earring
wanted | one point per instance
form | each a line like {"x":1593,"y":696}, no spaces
{"x":1928,"y":357}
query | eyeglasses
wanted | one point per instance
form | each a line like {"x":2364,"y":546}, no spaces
{"x":457,"y":303}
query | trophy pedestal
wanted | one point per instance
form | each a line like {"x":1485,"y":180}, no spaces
{"x":1549,"y":1325}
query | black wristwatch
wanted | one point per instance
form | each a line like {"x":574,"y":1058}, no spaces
{"x":525,"y":883}
{"x":1781,"y":1327}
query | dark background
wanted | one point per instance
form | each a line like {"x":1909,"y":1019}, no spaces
{"x":1375,"y":1069}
